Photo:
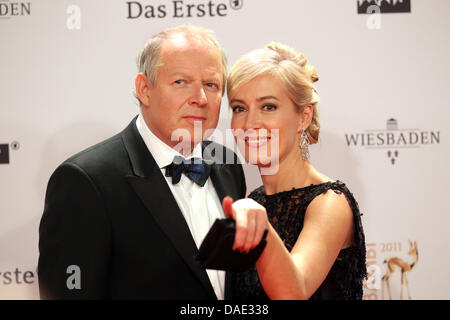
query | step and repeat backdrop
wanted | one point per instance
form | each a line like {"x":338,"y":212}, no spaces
{"x":67,"y":72}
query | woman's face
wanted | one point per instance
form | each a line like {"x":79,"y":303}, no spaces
{"x":265,"y":121}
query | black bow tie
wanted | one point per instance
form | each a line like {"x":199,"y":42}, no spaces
{"x":195,"y":169}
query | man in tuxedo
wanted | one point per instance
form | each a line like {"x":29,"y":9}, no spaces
{"x":122,"y":220}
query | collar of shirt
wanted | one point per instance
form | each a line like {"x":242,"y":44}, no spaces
{"x":161,"y":152}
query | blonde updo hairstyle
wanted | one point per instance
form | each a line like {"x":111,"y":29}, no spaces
{"x":290,"y":67}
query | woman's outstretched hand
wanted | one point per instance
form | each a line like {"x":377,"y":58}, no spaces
{"x":251,"y":221}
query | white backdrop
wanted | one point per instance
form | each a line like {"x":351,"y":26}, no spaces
{"x":67,"y":73}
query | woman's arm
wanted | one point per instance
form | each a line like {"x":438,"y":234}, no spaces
{"x":327,"y":226}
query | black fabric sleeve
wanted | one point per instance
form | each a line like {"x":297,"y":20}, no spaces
{"x":74,"y":238}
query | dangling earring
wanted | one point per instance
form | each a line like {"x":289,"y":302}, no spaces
{"x":304,"y":144}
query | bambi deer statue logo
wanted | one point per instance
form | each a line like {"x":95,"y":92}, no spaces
{"x":395,"y":263}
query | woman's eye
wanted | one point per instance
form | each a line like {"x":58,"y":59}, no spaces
{"x":269,"y":107}
{"x":237,"y":109}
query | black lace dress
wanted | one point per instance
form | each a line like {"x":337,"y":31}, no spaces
{"x":286,"y":212}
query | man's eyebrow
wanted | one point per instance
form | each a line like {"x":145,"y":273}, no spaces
{"x":178,"y":74}
{"x":184,"y":75}
{"x":213,"y":78}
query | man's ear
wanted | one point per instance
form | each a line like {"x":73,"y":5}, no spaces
{"x":142,"y":89}
{"x":305,"y":117}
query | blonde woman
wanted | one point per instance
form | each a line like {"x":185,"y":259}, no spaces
{"x":315,"y":244}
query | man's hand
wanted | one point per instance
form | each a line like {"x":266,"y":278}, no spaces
{"x":251,"y":221}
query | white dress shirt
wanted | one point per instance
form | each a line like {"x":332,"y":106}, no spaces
{"x":200,"y":206}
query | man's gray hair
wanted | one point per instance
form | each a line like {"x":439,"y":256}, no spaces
{"x":149,"y":60}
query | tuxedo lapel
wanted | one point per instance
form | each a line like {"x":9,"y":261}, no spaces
{"x":221,"y":177}
{"x":151,"y":187}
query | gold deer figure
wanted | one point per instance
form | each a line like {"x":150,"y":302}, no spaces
{"x":404,"y":266}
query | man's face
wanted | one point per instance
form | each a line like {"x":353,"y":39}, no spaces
{"x":188,"y":89}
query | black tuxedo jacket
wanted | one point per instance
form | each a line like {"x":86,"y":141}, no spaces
{"x":110,"y":213}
